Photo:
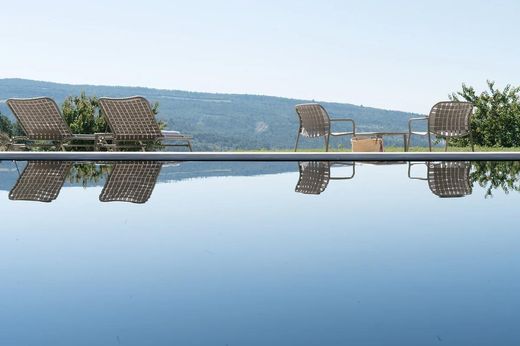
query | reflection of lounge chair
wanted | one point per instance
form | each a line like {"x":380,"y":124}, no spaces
{"x":315,"y":122}
{"x":42,"y":122}
{"x":132,"y":120}
{"x":315,"y":176}
{"x":448,"y":119}
{"x":41,"y":181}
{"x":131,"y":181}
{"x":447,"y":179}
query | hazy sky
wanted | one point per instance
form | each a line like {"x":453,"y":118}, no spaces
{"x":392,"y":54}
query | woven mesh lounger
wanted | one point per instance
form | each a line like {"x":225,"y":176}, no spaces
{"x":41,"y":181}
{"x":448,"y":119}
{"x":41,"y":120}
{"x":131,"y":119}
{"x":315,"y":122}
{"x":315,"y":176}
{"x":131,"y":181}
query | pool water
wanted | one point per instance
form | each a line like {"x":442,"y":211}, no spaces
{"x":261,"y":254}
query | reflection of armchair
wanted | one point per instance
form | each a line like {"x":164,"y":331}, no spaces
{"x":41,"y":181}
{"x":446,"y":179}
{"x":315,"y":175}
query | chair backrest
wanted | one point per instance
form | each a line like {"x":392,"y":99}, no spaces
{"x":449,"y":179}
{"x":314,"y":177}
{"x":450,"y":118}
{"x":130,"y":118}
{"x":41,"y":181}
{"x":131,"y":181}
{"x":40,"y":118}
{"x":314,"y":120}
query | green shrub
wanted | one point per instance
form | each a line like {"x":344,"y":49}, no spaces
{"x":496,"y":122}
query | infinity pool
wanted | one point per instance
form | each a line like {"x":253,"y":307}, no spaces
{"x":288,"y":253}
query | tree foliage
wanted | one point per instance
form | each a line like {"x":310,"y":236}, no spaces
{"x":496,"y":122}
{"x":496,"y":175}
{"x":82,"y":114}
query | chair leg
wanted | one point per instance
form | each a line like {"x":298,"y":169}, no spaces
{"x":326,"y":143}
{"x":297,"y":140}
{"x":189,"y":146}
{"x":430,"y":141}
{"x":471,"y":141}
{"x":408,"y":140}
{"x":446,"y":145}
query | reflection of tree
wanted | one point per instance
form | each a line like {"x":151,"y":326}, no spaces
{"x":87,"y":173}
{"x":495,"y":175}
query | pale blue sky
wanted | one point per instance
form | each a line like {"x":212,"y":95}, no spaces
{"x":393,"y":54}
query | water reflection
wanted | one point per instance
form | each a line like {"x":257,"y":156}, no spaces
{"x":315,"y":176}
{"x":134,"y":181}
{"x":131,"y":182}
{"x":446,"y":179}
{"x":41,"y":181}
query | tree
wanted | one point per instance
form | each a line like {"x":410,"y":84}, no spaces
{"x":82,"y":114}
{"x":496,"y":121}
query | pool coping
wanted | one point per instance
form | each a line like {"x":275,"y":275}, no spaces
{"x":260,"y":156}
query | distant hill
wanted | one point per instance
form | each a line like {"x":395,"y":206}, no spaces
{"x":220,"y":121}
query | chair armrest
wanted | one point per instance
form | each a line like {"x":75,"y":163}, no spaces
{"x":410,"y":164}
{"x":412,"y":120}
{"x":347,"y":120}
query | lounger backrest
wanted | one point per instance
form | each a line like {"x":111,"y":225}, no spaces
{"x":131,"y":181}
{"x":130,"y":119}
{"x":314,"y":177}
{"x":314,"y":120}
{"x":40,"y":118}
{"x":449,"y":179}
{"x":451,"y":118}
{"x":41,"y":181}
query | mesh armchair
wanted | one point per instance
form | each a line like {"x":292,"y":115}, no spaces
{"x":448,"y":119}
{"x":315,"y":122}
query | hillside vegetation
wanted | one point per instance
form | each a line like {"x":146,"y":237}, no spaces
{"x":220,"y":121}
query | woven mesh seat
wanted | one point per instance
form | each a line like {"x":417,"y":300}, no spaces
{"x":40,"y":119}
{"x":132,"y":119}
{"x":449,"y":179}
{"x":451,"y":119}
{"x":131,"y":181}
{"x":315,"y":122}
{"x":448,"y":119}
{"x":314,"y":177}
{"x":41,"y":181}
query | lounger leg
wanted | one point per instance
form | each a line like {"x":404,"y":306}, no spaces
{"x":297,"y":140}
{"x":446,"y":145}
{"x":429,"y":140}
{"x":471,"y":141}
{"x":189,"y":146}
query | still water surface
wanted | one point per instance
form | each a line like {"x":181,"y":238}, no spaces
{"x":220,"y":256}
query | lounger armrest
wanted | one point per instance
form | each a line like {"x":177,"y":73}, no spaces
{"x":346,"y":120}
{"x":411,"y":120}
